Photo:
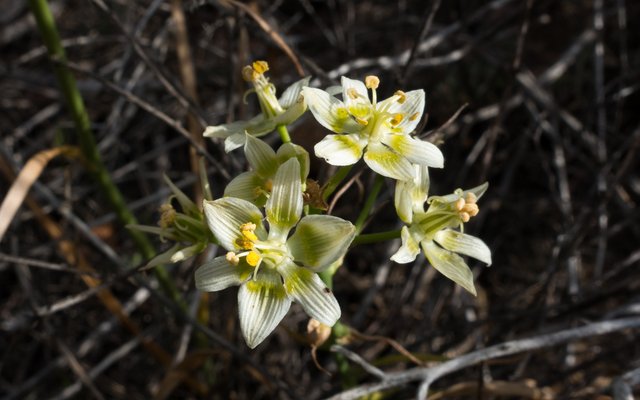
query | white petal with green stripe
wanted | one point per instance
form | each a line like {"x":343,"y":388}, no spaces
{"x":329,"y":111}
{"x":340,"y":149}
{"x":409,"y":249}
{"x":417,"y":151}
{"x":290,"y":150}
{"x":319,"y":240}
{"x":246,"y":186}
{"x":291,"y":94}
{"x":218,"y":274}
{"x":225,"y":216}
{"x":411,"y":109}
{"x":307,"y":289}
{"x":262,"y":303}
{"x":450,"y":265}
{"x":388,"y":163}
{"x":285,"y":203}
{"x":464,"y":244}
{"x":260,"y":156}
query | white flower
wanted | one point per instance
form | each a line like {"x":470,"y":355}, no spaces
{"x":273,"y":268}
{"x":435,"y":231}
{"x":380,"y":130}
{"x":410,"y":195}
{"x":255,"y":185}
{"x":275,"y":111}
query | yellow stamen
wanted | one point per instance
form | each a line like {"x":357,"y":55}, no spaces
{"x":372,"y":82}
{"x":471,"y":198}
{"x":414,"y":116}
{"x":402,"y":96}
{"x":260,"y":66}
{"x":459,"y":204}
{"x":253,"y":258}
{"x":167,"y":216}
{"x":471,"y":209}
{"x":244,"y":244}
{"x":249,"y":235}
{"x":464,"y":217}
{"x":248,"y":74}
{"x":397,"y":118}
{"x":353,"y":93}
{"x":232,"y":258}
{"x":362,"y":122}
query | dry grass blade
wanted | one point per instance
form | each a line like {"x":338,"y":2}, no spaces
{"x":29,"y":174}
{"x":271,"y":32}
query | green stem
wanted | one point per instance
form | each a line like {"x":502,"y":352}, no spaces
{"x":46,"y":25}
{"x":368,"y":204}
{"x":335,"y":181}
{"x":376,"y":237}
{"x":284,"y":134}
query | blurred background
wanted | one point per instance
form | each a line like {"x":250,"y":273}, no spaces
{"x":540,"y":98}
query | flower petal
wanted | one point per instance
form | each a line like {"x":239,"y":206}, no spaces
{"x":340,"y":149}
{"x":235,"y":131}
{"x":187,"y":252}
{"x":163,"y":258}
{"x":260,"y":156}
{"x":387,"y":162}
{"x":450,"y":265}
{"x":409,"y":249}
{"x":218,"y":274}
{"x":262,"y":303}
{"x":410,"y":196}
{"x":290,"y":150}
{"x":468,"y":245}
{"x":225,"y":216}
{"x":307,"y":289}
{"x":285,"y":203}
{"x":350,"y":85}
{"x":292,"y":93}
{"x":411,"y":109}
{"x":417,"y":151}
{"x":319,"y":240}
{"x":402,"y":201}
{"x":246,"y":186}
{"x":329,"y":111}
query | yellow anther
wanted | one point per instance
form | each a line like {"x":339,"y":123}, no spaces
{"x":397,"y":118}
{"x":244,"y":243}
{"x":232,"y":258}
{"x":249,"y":235}
{"x":402,"y":96}
{"x":460,"y":204}
{"x":372,"y":82}
{"x":471,"y":198}
{"x":464,"y":216}
{"x":414,"y":116}
{"x":167,"y":215}
{"x":248,"y":74}
{"x":471,"y":209}
{"x":253,"y":258}
{"x":260,"y":66}
{"x":362,"y":122}
{"x":353,"y":93}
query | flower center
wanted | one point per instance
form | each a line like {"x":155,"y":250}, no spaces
{"x":255,"y":251}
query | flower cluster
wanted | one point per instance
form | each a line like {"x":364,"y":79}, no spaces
{"x":276,"y":241}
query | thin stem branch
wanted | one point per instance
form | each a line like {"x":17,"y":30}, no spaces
{"x":46,"y":25}
{"x":376,"y":237}
{"x":335,"y":181}
{"x":368,"y":205}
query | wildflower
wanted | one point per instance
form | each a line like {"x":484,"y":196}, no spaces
{"x":187,"y":228}
{"x":410,"y":195}
{"x":273,"y":268}
{"x":439,"y":231}
{"x":274,"y":111}
{"x":255,"y":185}
{"x":380,"y":130}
